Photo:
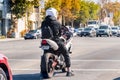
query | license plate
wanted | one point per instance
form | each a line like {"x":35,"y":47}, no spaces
{"x":45,"y":47}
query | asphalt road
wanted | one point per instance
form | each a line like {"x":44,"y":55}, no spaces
{"x":92,"y":59}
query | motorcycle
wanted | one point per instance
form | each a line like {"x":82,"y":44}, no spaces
{"x":51,"y":60}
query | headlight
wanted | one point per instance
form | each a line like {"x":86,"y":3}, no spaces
{"x":90,"y":32}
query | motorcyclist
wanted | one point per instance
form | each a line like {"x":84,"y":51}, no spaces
{"x":65,"y":32}
{"x":51,"y":19}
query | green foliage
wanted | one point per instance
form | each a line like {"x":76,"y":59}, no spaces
{"x":75,"y":9}
{"x":20,"y":7}
{"x":84,"y":12}
{"x":93,"y":9}
{"x":88,"y":10}
{"x":53,"y":3}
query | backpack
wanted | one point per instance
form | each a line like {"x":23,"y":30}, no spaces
{"x":47,"y":32}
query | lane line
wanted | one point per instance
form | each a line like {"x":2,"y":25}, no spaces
{"x":74,"y":60}
{"x":95,"y":60}
{"x":24,"y":59}
{"x":25,"y":69}
{"x":72,"y":69}
{"x":96,"y":70}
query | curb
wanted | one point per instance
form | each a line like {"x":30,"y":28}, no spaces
{"x":11,"y":39}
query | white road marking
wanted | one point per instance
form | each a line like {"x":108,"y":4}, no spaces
{"x":72,"y":69}
{"x":74,"y":60}
{"x":95,"y":60}
{"x":24,"y":59}
{"x":96,"y":70}
{"x":25,"y":69}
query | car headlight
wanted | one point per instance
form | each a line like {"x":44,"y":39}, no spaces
{"x":90,"y":32}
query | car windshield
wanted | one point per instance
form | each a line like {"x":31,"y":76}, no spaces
{"x":92,"y":22}
{"x":114,"y":28}
{"x":80,"y":29}
{"x":103,"y":27}
{"x":87,"y":29}
{"x":32,"y":31}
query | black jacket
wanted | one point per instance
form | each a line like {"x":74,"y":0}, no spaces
{"x":54,"y":24}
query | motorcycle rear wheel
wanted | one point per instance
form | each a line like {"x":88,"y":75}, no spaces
{"x":47,"y":70}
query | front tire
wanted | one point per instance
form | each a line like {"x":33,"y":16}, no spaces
{"x":2,"y":75}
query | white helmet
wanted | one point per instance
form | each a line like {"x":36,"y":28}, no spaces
{"x":52,"y":12}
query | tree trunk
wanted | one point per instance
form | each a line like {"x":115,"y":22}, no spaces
{"x":72,"y":23}
{"x":63,"y":20}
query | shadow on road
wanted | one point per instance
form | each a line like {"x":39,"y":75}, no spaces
{"x":117,"y":78}
{"x":36,"y":76}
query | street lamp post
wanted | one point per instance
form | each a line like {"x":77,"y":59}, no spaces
{"x":1,"y":5}
{"x":6,"y":17}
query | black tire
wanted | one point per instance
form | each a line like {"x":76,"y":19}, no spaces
{"x":2,"y":75}
{"x":108,"y":35}
{"x":25,"y":38}
{"x":46,"y":70}
{"x":97,"y":35}
{"x":35,"y":37}
{"x":64,"y":70}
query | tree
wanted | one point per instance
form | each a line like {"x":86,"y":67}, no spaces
{"x":84,"y":12}
{"x":20,"y":7}
{"x":113,"y":7}
{"x":53,"y":3}
{"x":74,"y":9}
{"x":88,"y":11}
{"x":68,"y":9}
{"x":93,"y":10}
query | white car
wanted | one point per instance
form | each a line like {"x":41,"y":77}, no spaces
{"x":104,"y":30}
{"x":115,"y":30}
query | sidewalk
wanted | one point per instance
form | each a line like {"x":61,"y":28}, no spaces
{"x":11,"y":39}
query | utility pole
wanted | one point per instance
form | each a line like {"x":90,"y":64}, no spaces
{"x":6,"y":18}
{"x":1,"y":4}
{"x":41,"y":7}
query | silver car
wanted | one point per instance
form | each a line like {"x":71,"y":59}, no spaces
{"x":115,"y":30}
{"x":104,"y":30}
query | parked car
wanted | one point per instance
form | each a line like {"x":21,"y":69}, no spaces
{"x":5,"y":70}
{"x":88,"y":31}
{"x":79,"y":31}
{"x":115,"y":30}
{"x":33,"y":34}
{"x":118,"y":35}
{"x":104,"y":30}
